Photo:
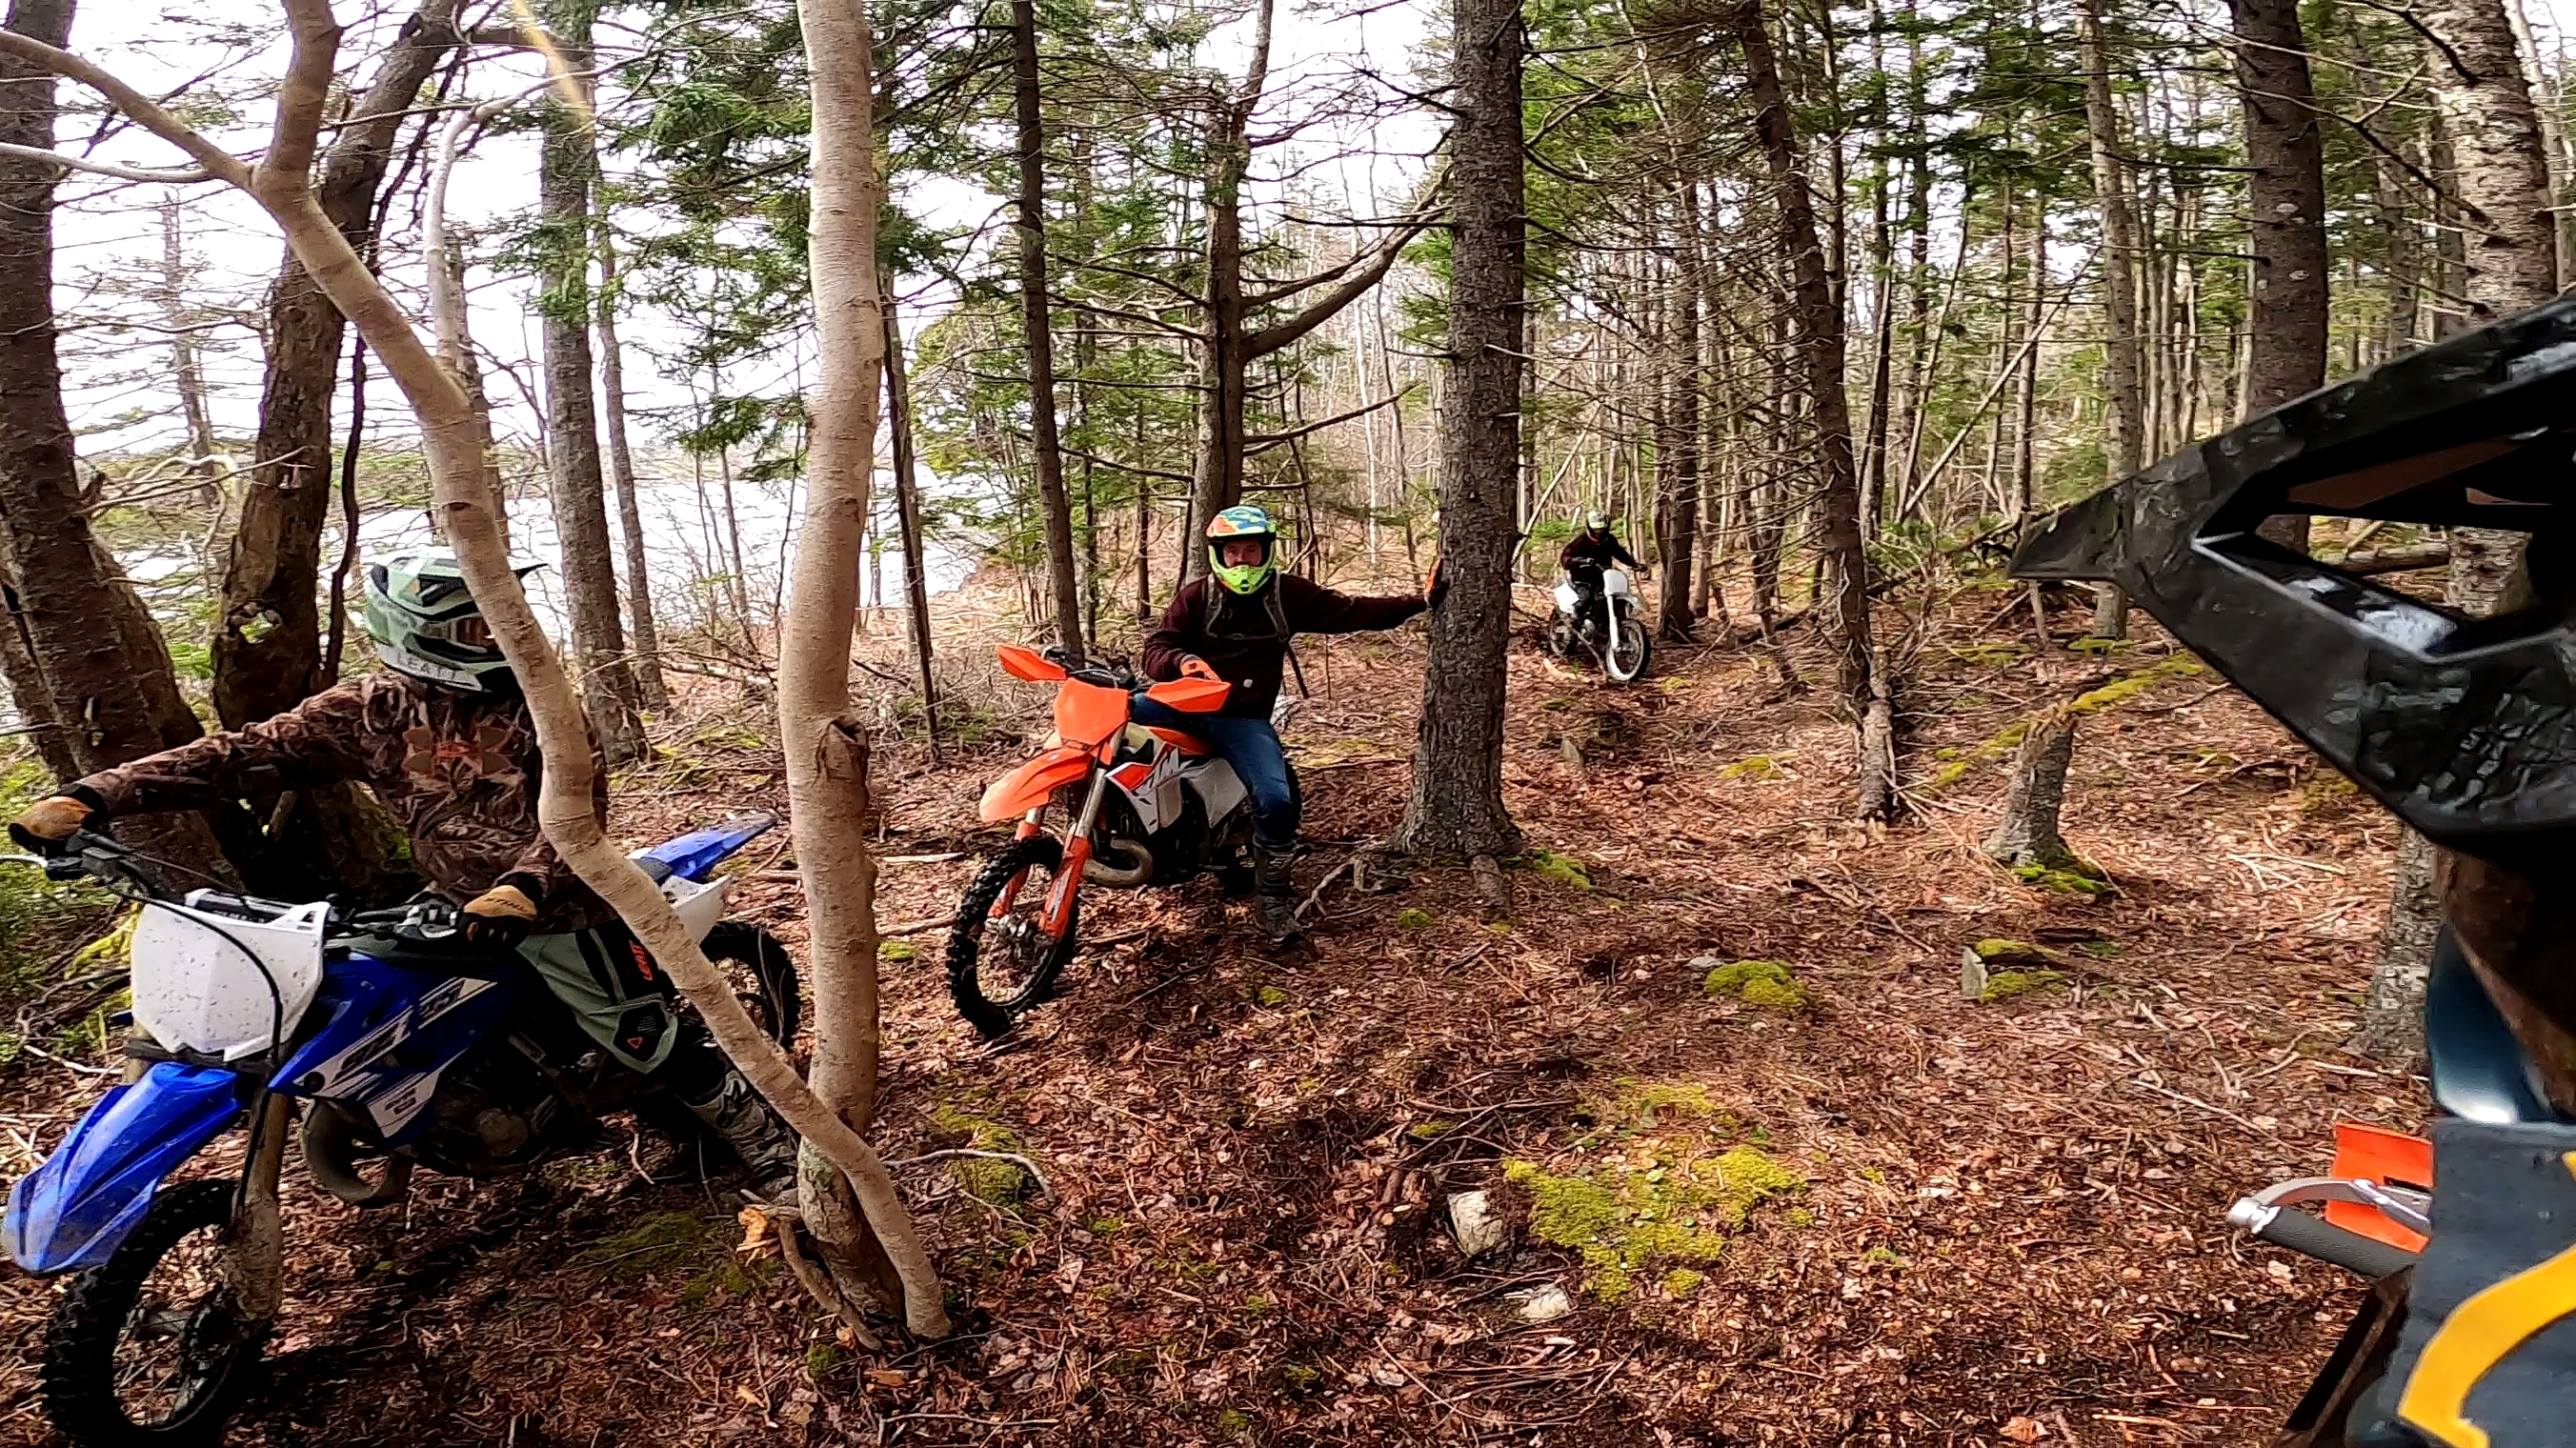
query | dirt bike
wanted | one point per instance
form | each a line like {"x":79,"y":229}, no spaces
{"x":1136,"y":806}
{"x":401,"y":1042}
{"x":1624,"y":645}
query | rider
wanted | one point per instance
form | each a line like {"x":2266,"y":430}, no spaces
{"x":1234,"y":625}
{"x":1583,"y":558}
{"x":445,"y":740}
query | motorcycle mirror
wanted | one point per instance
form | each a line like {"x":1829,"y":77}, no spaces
{"x":1029,"y":664}
{"x":1191,"y":696}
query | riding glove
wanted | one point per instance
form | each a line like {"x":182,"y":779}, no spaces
{"x":500,"y":917}
{"x":49,"y":822}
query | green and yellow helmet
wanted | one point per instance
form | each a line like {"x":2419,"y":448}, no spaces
{"x":427,"y":625}
{"x":1235,"y":523}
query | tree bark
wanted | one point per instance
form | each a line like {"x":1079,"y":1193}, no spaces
{"x":907,"y":499}
{"x":2028,"y":832}
{"x":2122,"y":372}
{"x":650,"y":690}
{"x":1820,"y":340}
{"x":568,"y":159}
{"x":1038,"y":330}
{"x":1677,"y":512}
{"x":2499,"y":171}
{"x":109,"y":690}
{"x":2501,"y":183}
{"x":1457,"y":800}
{"x":267,"y":642}
{"x":2285,"y":194}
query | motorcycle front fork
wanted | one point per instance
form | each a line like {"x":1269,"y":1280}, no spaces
{"x":1077,"y":853}
{"x":254,"y":1261}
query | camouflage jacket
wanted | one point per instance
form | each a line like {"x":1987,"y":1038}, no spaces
{"x":459,"y":770}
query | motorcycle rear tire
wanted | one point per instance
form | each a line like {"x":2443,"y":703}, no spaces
{"x":80,"y":1352}
{"x":993,"y":1017}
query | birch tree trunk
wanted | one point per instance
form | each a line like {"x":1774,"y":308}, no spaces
{"x":2501,"y":181}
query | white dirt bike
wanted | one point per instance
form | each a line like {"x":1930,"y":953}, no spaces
{"x":1623,"y":644}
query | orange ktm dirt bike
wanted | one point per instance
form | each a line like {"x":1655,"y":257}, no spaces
{"x":1109,"y":803}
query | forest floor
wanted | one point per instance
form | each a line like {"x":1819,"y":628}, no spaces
{"x":1861,"y":1210}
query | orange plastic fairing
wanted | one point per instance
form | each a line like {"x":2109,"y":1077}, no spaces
{"x":1189,"y":744}
{"x":1027,"y":787}
{"x":1087,"y":715}
{"x":1191,"y":696}
{"x":1029,"y":664}
{"x":2386,"y":1158}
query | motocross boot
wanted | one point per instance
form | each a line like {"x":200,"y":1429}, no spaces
{"x":1278,"y":896}
{"x":766,"y":1144}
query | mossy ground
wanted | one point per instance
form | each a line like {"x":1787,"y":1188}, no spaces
{"x":1757,"y":982}
{"x":2003,"y":985}
{"x":1649,"y":1209}
{"x":1563,"y":869}
{"x":998,"y":1182}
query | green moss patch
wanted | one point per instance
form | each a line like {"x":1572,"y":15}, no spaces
{"x":1757,"y":982}
{"x":1682,"y":1282}
{"x":2003,"y":985}
{"x":2179,"y":666}
{"x":999,"y":1182}
{"x":1622,"y":1218}
{"x":1563,"y":869}
{"x":1758,"y":766}
{"x":2075,"y":877}
{"x":1412,"y":919}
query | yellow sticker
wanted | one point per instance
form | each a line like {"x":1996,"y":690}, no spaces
{"x":2480,"y":1333}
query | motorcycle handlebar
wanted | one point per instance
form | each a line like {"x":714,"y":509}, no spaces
{"x":2314,"y":1236}
{"x":1100,"y":673}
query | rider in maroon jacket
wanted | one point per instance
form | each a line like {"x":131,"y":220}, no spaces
{"x":1234,"y":625}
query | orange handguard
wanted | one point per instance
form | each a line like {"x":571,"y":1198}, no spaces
{"x":1029,"y":664}
{"x":1192,"y":695}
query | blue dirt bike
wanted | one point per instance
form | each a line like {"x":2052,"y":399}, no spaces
{"x":369,"y":1035}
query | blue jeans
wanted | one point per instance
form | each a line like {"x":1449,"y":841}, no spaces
{"x":1252,"y":747}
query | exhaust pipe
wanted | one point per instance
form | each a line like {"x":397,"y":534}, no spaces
{"x":330,"y":1154}
{"x":1140,"y":870}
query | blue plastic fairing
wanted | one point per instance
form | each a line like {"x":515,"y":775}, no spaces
{"x":695,"y":855}
{"x":71,"y":1212}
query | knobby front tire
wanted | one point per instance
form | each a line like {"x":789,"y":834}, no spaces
{"x":149,"y":1349}
{"x":1000,"y":969}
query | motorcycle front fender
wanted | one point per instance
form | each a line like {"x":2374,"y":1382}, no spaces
{"x":1027,"y":787}
{"x":71,"y":1212}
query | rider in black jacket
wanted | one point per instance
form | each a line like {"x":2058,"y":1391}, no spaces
{"x":1583,"y":558}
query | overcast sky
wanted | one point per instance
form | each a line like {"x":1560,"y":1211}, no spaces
{"x":110,"y":234}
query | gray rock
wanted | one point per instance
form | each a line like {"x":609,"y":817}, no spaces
{"x":1544,"y":1304}
{"x":1474,"y":1222}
